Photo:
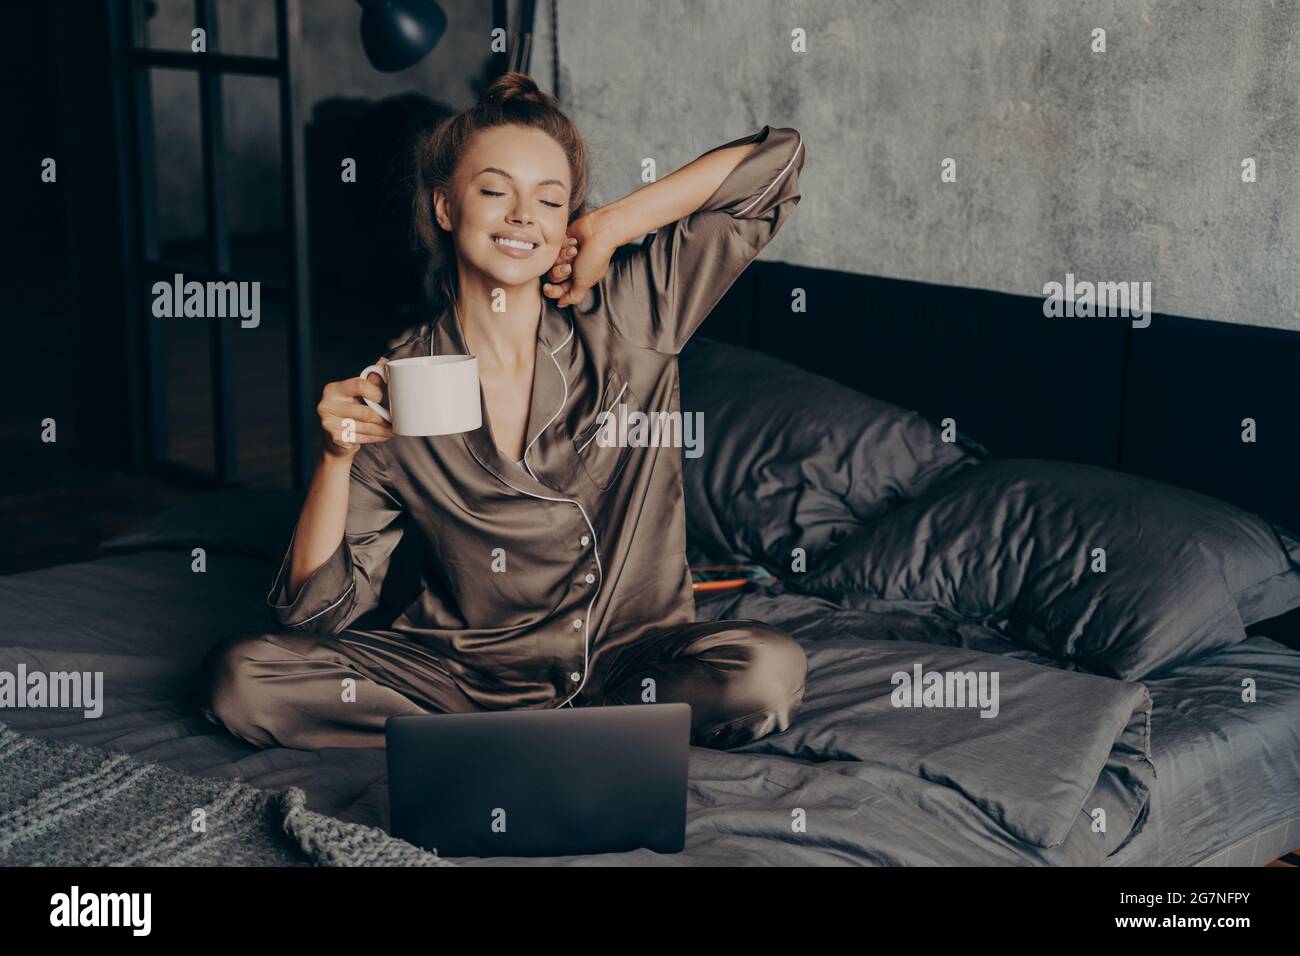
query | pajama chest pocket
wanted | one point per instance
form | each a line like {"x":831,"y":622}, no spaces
{"x":598,"y":446}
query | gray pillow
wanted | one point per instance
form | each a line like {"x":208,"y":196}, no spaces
{"x":795,"y":460}
{"x":1013,"y":544}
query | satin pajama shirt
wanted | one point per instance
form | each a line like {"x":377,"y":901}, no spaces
{"x":561,"y":582}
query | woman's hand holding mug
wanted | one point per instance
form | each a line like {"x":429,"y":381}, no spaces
{"x":345,"y":422}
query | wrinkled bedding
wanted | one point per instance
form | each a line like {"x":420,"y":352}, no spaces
{"x":1123,"y":575}
{"x":1134,"y":719}
{"x":854,"y":780}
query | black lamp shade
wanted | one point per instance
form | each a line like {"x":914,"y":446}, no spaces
{"x":397,"y":33}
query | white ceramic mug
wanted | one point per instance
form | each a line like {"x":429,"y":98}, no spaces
{"x":430,"y":394}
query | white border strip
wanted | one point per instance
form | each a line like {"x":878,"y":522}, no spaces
{"x":611,"y":405}
{"x":600,"y":582}
{"x":278,"y":583}
{"x":563,"y":401}
{"x":328,"y":609}
{"x":779,"y":176}
{"x":595,"y":542}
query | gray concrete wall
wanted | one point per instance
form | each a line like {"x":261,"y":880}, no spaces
{"x":1123,"y":165}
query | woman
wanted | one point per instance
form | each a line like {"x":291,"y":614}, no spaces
{"x":552,"y":567}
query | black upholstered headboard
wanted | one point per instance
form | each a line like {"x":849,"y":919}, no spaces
{"x":1166,"y":401}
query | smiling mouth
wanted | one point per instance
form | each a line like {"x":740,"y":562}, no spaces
{"x":514,"y":244}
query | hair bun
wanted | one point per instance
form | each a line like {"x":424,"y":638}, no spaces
{"x":514,"y":86}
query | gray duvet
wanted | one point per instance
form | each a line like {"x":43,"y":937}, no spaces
{"x":1067,"y":771}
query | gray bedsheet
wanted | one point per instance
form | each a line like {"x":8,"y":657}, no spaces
{"x":854,"y":781}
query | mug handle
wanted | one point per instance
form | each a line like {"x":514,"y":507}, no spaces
{"x":383,"y":373}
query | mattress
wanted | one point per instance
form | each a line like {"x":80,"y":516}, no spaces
{"x":1226,"y":774}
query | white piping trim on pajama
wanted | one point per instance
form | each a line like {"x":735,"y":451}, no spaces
{"x":563,"y":401}
{"x":798,"y":147}
{"x":327,"y":610}
{"x":274,"y":588}
{"x":595,"y":543}
{"x":586,"y":618}
{"x":611,"y":405}
{"x":566,"y":339}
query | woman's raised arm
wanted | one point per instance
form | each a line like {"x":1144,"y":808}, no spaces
{"x":707,"y":221}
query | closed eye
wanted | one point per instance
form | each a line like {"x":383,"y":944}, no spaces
{"x":553,"y":205}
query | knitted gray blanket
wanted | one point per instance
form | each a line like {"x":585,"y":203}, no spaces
{"x":64,"y":804}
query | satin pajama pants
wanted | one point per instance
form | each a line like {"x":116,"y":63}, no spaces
{"x":743,"y":679}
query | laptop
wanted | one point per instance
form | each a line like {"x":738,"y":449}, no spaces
{"x":559,"y":782}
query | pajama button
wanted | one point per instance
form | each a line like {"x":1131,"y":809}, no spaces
{"x":575,"y":677}
{"x":591,"y":578}
{"x":585,"y":540}
{"x":577,"y":623}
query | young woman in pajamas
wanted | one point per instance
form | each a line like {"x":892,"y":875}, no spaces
{"x":552,"y":567}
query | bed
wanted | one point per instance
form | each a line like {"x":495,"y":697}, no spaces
{"x":1160,"y":761}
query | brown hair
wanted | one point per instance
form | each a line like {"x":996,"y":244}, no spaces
{"x":513,"y":99}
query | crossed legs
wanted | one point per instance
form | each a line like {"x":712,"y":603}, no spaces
{"x":743,"y":680}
